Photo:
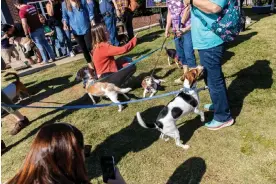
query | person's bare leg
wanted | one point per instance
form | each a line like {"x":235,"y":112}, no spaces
{"x":38,"y":56}
{"x":17,"y":115}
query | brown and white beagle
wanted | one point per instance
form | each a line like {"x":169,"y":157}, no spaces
{"x":185,"y":102}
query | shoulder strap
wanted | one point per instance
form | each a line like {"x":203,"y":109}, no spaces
{"x":201,"y":19}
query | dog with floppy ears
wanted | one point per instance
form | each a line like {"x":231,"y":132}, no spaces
{"x":150,"y":85}
{"x":185,"y":102}
{"x":100,"y":89}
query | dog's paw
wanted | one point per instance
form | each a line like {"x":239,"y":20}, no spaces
{"x":178,"y":81}
{"x":202,"y":118}
{"x":185,"y":146}
{"x":166,"y":139}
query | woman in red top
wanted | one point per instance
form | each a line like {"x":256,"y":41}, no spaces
{"x":103,"y":57}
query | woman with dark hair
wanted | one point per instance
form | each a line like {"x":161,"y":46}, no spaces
{"x":103,"y":57}
{"x":79,"y":14}
{"x":56,"y":156}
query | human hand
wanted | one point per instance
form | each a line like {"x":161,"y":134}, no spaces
{"x":65,"y":27}
{"x":187,"y":2}
{"x":119,"y":179}
{"x":167,"y":33}
{"x":118,"y":13}
{"x":92,"y":23}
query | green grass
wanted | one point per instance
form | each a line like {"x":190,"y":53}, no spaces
{"x":243,"y":153}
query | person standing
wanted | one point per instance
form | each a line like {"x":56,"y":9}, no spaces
{"x":125,"y":14}
{"x":33,"y":28}
{"x":79,"y":15}
{"x":54,"y":12}
{"x":211,"y":50}
{"x":179,"y":17}
{"x":108,"y":12}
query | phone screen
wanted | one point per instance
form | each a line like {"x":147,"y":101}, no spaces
{"x":108,"y":168}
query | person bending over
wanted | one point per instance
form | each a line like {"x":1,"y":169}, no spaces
{"x":57,"y":156}
{"x":103,"y":56}
{"x":16,"y":30}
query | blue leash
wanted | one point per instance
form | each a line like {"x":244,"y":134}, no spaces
{"x":137,"y":60}
{"x":93,"y":106}
{"x":105,"y":105}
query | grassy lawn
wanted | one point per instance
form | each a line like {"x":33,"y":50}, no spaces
{"x":243,"y":153}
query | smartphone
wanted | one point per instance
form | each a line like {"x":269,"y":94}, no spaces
{"x":108,"y":168}
{"x":87,"y":150}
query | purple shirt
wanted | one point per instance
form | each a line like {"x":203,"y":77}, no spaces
{"x":176,"y":8}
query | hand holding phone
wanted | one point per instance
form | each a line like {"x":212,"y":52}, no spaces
{"x":119,"y":179}
{"x":108,"y":168}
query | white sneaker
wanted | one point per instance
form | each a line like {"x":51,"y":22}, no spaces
{"x":72,"y":54}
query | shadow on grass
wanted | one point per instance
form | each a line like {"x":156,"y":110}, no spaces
{"x":227,"y":56}
{"x":189,"y":127}
{"x":150,"y":36}
{"x":240,"y":39}
{"x":62,"y":83}
{"x":190,"y":172}
{"x":85,"y":100}
{"x":132,"y":138}
{"x":256,"y":76}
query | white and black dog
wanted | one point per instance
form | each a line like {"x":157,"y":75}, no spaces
{"x":185,"y":102}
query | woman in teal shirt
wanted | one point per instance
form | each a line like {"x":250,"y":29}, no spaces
{"x":211,"y":49}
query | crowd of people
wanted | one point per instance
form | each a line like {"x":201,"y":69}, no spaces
{"x":99,"y":44}
{"x":52,"y":35}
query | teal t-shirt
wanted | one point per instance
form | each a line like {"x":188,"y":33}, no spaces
{"x":202,"y":37}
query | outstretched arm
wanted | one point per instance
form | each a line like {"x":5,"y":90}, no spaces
{"x":114,"y":51}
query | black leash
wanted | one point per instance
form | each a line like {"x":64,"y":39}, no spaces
{"x":158,"y":57}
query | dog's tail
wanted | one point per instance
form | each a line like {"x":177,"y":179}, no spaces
{"x":142,"y":123}
{"x":123,"y":90}
{"x":14,"y":74}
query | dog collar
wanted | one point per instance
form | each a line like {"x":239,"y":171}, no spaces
{"x":90,"y":83}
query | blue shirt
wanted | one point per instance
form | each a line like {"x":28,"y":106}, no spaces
{"x":202,"y":37}
{"x":79,"y":19}
{"x":106,"y":6}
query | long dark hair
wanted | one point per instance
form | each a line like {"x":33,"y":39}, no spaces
{"x":69,"y":6}
{"x":98,"y":34}
{"x":56,"y":156}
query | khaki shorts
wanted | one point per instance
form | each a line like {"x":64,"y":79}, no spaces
{"x":8,"y":53}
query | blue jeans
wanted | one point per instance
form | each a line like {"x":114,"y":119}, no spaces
{"x":110,"y":22}
{"x":214,"y":79}
{"x":185,"y":51}
{"x":61,"y":37}
{"x":68,"y":40}
{"x":42,"y":44}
